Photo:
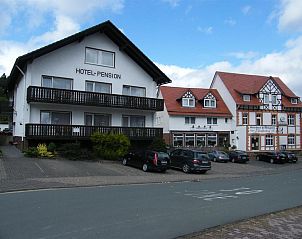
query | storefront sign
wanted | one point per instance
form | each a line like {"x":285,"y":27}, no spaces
{"x":262,"y":129}
{"x":98,"y":73}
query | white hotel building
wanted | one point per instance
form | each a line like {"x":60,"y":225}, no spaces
{"x":95,"y":80}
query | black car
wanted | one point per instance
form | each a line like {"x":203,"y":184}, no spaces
{"x":238,"y":156}
{"x":147,"y":160}
{"x":219,"y":156}
{"x":271,"y":157}
{"x":190,"y":160}
{"x":290,"y":156}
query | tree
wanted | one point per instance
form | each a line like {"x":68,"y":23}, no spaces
{"x":3,"y":88}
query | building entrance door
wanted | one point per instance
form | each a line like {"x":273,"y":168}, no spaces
{"x":255,"y":142}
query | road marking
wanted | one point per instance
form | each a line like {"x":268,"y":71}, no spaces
{"x":207,"y":195}
{"x":39,"y":168}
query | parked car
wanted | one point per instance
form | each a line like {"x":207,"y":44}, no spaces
{"x":290,"y":157}
{"x":219,"y":156}
{"x":271,"y":157}
{"x":238,"y":156}
{"x":147,"y":160}
{"x":190,"y":160}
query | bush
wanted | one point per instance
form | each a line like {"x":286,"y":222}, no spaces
{"x":158,"y":144}
{"x":51,"y":147}
{"x":73,"y":151}
{"x":110,"y":146}
{"x":31,"y":152}
{"x":42,"y":151}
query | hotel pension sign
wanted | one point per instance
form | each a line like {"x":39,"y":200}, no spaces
{"x":105,"y":74}
{"x":263,"y":129}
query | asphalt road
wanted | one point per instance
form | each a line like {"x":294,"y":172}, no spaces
{"x":145,"y":211}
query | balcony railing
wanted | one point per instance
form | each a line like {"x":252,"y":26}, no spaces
{"x":81,"y":132}
{"x":75,"y":97}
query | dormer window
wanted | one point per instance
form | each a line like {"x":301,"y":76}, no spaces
{"x":294,"y":101}
{"x":188,"y":100}
{"x":246,"y":97}
{"x":209,"y":101}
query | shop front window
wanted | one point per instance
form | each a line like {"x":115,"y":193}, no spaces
{"x":189,"y":140}
{"x":178,"y":140}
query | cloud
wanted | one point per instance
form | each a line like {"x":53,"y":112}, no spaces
{"x":173,"y":3}
{"x":286,"y":64}
{"x":230,"y":21}
{"x":244,"y":55}
{"x":246,"y":9}
{"x":206,"y":30}
{"x":66,"y":15}
{"x":290,"y":15}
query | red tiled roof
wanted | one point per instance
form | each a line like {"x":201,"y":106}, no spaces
{"x":174,"y":107}
{"x":239,"y":84}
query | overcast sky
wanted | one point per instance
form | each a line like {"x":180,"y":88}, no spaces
{"x":188,"y":39}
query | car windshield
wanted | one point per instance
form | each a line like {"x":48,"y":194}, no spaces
{"x":201,"y":155}
{"x":222,"y":153}
{"x":162,"y":155}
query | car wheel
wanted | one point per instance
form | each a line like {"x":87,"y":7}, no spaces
{"x":145,"y":167}
{"x":233,"y":160}
{"x":185,"y":168}
{"x":163,"y":171}
{"x":124,"y":162}
{"x":203,"y":172}
{"x":272,"y":161}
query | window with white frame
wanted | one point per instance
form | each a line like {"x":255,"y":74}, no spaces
{"x":99,"y":57}
{"x":246,"y":97}
{"x":212,"y":121}
{"x":269,"y":140}
{"x":291,"y":139}
{"x":291,"y":119}
{"x":133,"y":121}
{"x":99,"y":87}
{"x":245,"y":118}
{"x":274,"y":100}
{"x":212,"y":140}
{"x":57,"y":82}
{"x":294,"y":101}
{"x":188,"y":102}
{"x":189,"y":140}
{"x":265,"y":98}
{"x":258,"y":119}
{"x":178,"y":140}
{"x":200,"y":140}
{"x":189,"y":120}
{"x":55,"y":117}
{"x":97,"y":119}
{"x":274,"y":119}
{"x":209,"y":103}
{"x":134,"y":91}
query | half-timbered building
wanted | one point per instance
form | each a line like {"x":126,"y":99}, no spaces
{"x":266,"y":113}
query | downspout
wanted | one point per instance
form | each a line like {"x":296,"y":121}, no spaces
{"x":24,"y":106}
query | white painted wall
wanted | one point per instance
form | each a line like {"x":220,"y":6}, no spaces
{"x":63,"y":63}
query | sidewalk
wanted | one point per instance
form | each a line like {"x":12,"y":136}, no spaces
{"x":286,"y":224}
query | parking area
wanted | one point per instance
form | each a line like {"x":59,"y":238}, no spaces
{"x":20,"y":173}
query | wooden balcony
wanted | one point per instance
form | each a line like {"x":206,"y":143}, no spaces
{"x":75,"y":97}
{"x":81,"y":132}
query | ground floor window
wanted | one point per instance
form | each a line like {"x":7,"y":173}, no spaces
{"x":223,"y":139}
{"x":133,"y":121}
{"x":291,"y":139}
{"x":200,"y":140}
{"x":189,"y":140}
{"x":269,"y":140}
{"x":178,"y":140}
{"x":55,"y":117}
{"x":212,"y":140}
{"x":196,"y":139}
